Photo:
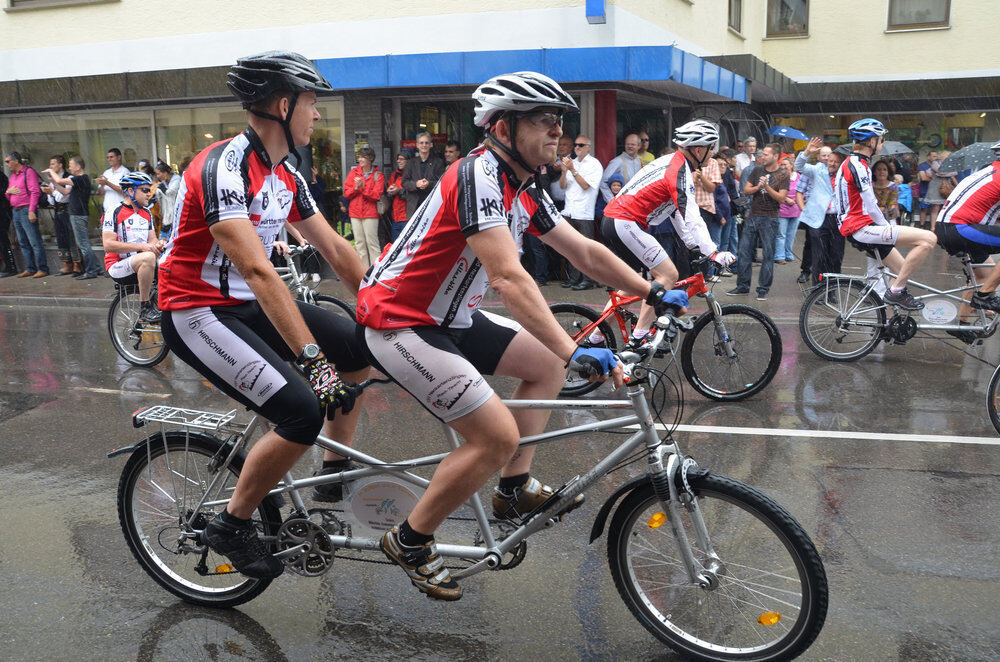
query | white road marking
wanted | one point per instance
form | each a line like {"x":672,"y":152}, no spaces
{"x":118,"y":391}
{"x":834,"y":434}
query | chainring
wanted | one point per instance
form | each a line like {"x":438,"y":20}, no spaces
{"x":901,"y":328}
{"x":317,"y":554}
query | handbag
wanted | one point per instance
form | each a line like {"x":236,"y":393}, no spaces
{"x":947,"y":186}
{"x":382,"y":204}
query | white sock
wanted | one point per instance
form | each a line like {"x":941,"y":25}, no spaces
{"x":639,"y":334}
{"x":596,"y":337}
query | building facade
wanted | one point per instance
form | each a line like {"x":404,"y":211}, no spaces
{"x":109,"y":75}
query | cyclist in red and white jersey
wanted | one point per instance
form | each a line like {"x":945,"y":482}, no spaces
{"x":228,"y":314}
{"x":419,"y":309}
{"x":968,"y":223}
{"x":130,"y":243}
{"x":862,"y":222}
{"x":663,"y":191}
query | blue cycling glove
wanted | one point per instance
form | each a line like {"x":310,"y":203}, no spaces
{"x":666,"y":301}
{"x":593,"y":361}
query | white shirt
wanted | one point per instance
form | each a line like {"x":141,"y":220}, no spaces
{"x":625,"y":165}
{"x":580,"y":202}
{"x":744,"y":160}
{"x":113,"y":198}
{"x":56,"y":196}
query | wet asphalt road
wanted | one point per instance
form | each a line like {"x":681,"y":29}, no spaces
{"x":907,"y":529}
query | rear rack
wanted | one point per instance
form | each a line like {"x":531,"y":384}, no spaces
{"x":190,"y":418}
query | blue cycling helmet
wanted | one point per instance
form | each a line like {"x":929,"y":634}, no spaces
{"x":134,"y":179}
{"x":864,"y":129}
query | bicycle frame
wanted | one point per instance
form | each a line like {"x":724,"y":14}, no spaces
{"x":985,"y":324}
{"x":664,"y":459}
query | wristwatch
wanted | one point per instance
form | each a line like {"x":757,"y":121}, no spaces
{"x":308,"y":354}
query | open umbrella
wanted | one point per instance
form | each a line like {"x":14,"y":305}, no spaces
{"x":787,"y":132}
{"x":972,"y":157}
{"x":893,"y":148}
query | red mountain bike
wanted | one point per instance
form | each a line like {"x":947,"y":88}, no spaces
{"x":731,"y":352}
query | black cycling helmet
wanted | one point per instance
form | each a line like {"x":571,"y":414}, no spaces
{"x":256,"y":77}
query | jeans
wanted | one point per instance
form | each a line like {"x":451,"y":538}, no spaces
{"x":64,"y":237}
{"x":715,"y":232}
{"x":30,"y":239}
{"x":7,"y":263}
{"x":729,"y":239}
{"x":79,"y":223}
{"x":765,"y":228}
{"x":786,"y":238}
{"x":395,"y":228}
{"x":585,"y":227}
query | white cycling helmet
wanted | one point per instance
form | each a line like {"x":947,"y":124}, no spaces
{"x":697,"y":133}
{"x":996,"y":148}
{"x":521,"y":91}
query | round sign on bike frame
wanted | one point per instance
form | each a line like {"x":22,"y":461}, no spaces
{"x":378,"y":504}
{"x":939,"y":311}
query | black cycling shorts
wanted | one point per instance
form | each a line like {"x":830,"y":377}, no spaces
{"x":238,"y":349}
{"x":979,"y":241}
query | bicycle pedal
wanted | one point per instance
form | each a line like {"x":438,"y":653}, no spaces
{"x":545,"y":505}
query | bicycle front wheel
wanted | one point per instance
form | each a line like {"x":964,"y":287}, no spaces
{"x":756,"y":347}
{"x":137,"y":342}
{"x":161,"y":484}
{"x":993,"y":399}
{"x":336,"y":306}
{"x":574,"y":318}
{"x":842,"y":321}
{"x":770,"y":599}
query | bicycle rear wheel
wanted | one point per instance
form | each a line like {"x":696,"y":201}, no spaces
{"x":574,"y":318}
{"x":842,"y":321}
{"x":756,"y":346}
{"x":993,"y":399}
{"x":770,"y":601}
{"x":335,"y":306}
{"x":137,"y":342}
{"x":162,"y":482}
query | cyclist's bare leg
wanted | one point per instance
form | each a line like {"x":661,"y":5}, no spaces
{"x":665,"y":273}
{"x":144,"y":265}
{"x":542,"y":376}
{"x":934,"y":215}
{"x":341,"y":428}
{"x":491,"y":437}
{"x":988,"y":280}
{"x":923,"y":242}
{"x":266,"y":464}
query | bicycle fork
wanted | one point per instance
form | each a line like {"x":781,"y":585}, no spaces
{"x":720,"y":327}
{"x":665,"y":481}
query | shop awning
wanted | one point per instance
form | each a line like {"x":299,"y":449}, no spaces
{"x":619,"y":64}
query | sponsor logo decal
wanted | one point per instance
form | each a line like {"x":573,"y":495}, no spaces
{"x":389,"y":336}
{"x":412,"y":360}
{"x":447,"y":393}
{"x":248,"y":375}
{"x":284,"y":198}
{"x":474,"y":301}
{"x":232,"y":161}
{"x":489,"y":207}
{"x":193,"y":324}
{"x":460,"y":268}
{"x":650,"y":253}
{"x":230,"y":198}
{"x":265,"y":200}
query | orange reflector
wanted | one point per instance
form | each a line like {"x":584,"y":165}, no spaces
{"x":224,"y":568}
{"x":657,"y":520}
{"x":769,"y":618}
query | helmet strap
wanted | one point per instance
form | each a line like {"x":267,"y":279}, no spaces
{"x":511,"y":150}
{"x":286,"y":123}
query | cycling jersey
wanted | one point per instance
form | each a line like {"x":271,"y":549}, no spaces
{"x":429,"y":275}
{"x":130,"y":227}
{"x":231,"y":179}
{"x":976,"y":199}
{"x":856,"y":197}
{"x":663,"y":190}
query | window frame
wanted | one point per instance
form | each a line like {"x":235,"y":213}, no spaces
{"x":783,"y":35}
{"x":738,"y":28}
{"x":912,"y":27}
{"x":31,"y":5}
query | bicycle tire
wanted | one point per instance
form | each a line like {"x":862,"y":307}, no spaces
{"x":993,"y":399}
{"x":150,"y":541}
{"x":574,"y":317}
{"x":335,"y":305}
{"x":712,"y":373}
{"x":145,"y":349}
{"x":741,"y":522}
{"x":824,"y":331}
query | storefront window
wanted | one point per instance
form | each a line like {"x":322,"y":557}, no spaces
{"x":183,"y":132}
{"x":444,"y":120}
{"x":787,"y":18}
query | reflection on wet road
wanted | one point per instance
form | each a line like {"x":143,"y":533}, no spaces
{"x":904,"y":517}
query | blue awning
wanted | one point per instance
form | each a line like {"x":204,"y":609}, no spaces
{"x":631,"y":64}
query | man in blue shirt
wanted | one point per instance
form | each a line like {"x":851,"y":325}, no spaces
{"x":826,"y":244}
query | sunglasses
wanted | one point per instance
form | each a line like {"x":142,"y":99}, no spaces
{"x":146,"y":190}
{"x":581,"y":144}
{"x":546,"y":120}
{"x":644,"y":140}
